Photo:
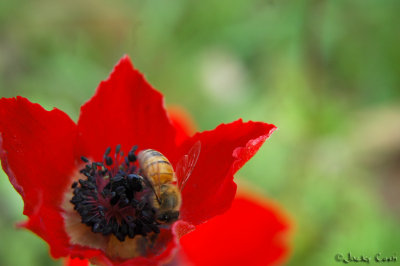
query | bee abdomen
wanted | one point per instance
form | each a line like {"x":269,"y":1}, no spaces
{"x":156,"y":167}
{"x":153,"y":163}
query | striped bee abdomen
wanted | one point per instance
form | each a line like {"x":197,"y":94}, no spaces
{"x":156,"y":167}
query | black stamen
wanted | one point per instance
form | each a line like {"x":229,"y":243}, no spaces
{"x":109,"y":161}
{"x":131,"y":156}
{"x":117,"y":178}
{"x":108,"y":150}
{"x":108,"y":199}
{"x":134,"y":148}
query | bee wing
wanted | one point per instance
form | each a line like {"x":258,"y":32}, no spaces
{"x":185,"y":166}
{"x":181,"y":169}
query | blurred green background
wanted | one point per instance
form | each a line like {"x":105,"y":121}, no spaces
{"x":327,"y":73}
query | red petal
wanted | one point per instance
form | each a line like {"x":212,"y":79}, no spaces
{"x":125,"y":110}
{"x":183,"y":123}
{"x":76,"y":262}
{"x":37,"y":153}
{"x":210,"y":189}
{"x":250,"y":233}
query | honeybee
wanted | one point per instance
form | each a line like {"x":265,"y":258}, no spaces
{"x":166,"y":183}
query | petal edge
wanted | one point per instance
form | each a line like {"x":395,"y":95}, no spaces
{"x":210,"y":190}
{"x":125,"y":110}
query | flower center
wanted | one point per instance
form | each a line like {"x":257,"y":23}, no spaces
{"x":113,"y":198}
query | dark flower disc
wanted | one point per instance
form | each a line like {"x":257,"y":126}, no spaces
{"x":113,"y":198}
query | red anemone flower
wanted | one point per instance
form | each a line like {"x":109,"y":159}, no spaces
{"x":84,"y":194}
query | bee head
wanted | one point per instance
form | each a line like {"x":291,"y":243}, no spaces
{"x":167,"y":217}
